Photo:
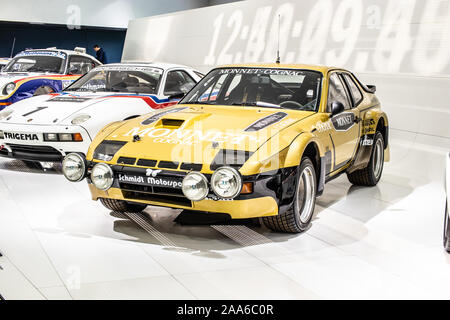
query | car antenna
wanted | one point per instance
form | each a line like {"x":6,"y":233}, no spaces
{"x":12,"y":49}
{"x":278,"y":46}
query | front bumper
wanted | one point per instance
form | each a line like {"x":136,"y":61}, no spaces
{"x":4,"y":103}
{"x":40,"y":150}
{"x":272,"y":193}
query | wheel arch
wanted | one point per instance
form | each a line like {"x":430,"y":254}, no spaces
{"x":308,"y":145}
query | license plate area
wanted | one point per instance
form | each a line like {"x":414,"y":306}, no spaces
{"x":163,"y":182}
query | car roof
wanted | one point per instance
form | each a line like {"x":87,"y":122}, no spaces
{"x":162,"y":65}
{"x":319,"y":68}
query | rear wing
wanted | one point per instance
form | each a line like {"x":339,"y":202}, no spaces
{"x":367,"y":88}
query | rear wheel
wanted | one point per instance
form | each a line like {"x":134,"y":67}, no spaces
{"x":298,"y":218}
{"x":122,"y":206}
{"x":370,"y":175}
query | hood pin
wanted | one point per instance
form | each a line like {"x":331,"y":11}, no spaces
{"x":136,"y":138}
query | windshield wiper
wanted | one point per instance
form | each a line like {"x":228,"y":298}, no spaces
{"x":198,"y":102}
{"x":257,"y":104}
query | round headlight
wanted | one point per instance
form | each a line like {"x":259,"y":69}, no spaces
{"x":74,"y":167}
{"x":5,"y":114}
{"x":80,"y":119}
{"x":102,"y":176}
{"x":9,"y":88}
{"x":226,"y":183}
{"x":195,"y":186}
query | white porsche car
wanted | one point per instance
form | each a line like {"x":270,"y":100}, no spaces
{"x":45,"y":128}
{"x":40,"y":71}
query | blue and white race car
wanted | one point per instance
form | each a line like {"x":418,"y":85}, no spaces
{"x":47,"y":127}
{"x":41,"y":71}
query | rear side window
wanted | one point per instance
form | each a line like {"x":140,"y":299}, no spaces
{"x":178,"y":81}
{"x":354,"y":90}
{"x":337,"y":92}
{"x":80,"y":65}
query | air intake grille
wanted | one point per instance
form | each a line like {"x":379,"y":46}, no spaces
{"x":125,"y":160}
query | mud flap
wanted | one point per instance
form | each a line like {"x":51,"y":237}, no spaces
{"x":363,"y":153}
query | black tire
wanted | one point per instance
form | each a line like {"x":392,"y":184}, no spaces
{"x":43,"y":90}
{"x":290,"y":221}
{"x":122,"y":206}
{"x":367,"y":176}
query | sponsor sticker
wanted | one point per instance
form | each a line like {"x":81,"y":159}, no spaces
{"x":343,"y":121}
{"x":152,"y":181}
{"x":68,"y":99}
{"x":368,"y":126}
{"x":276,"y":72}
{"x":367,"y":141}
{"x":21,"y":136}
{"x":266,"y":121}
{"x":188,"y":136}
{"x":66,"y":83}
{"x":129,"y":68}
{"x":42,"y":53}
{"x":323,"y":126}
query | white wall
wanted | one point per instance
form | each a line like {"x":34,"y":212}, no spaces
{"x":402,"y":46}
{"x":103,"y":13}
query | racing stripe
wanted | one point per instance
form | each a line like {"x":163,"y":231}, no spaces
{"x":150,"y":100}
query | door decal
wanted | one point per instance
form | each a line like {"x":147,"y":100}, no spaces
{"x":343,"y":121}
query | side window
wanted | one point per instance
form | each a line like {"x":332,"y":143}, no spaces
{"x":354,"y":90}
{"x":212,"y":93}
{"x":337,"y":92}
{"x":178,"y":81}
{"x":80,"y":65}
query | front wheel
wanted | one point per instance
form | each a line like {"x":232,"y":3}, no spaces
{"x":371,"y":175}
{"x":122,"y":206}
{"x":298,"y":218}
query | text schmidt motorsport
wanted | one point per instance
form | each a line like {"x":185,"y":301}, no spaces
{"x":151,"y":181}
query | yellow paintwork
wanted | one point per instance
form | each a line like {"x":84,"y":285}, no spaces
{"x":280,"y":145}
{"x":237,"y":209}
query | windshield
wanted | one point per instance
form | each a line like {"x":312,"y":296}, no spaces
{"x":51,"y":62}
{"x":268,"y":87}
{"x":119,"y":79}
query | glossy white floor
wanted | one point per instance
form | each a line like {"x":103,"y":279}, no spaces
{"x":383,"y":242}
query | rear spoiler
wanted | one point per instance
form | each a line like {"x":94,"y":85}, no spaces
{"x":371,"y":88}
{"x":367,"y":88}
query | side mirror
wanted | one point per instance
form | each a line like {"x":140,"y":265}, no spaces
{"x":336,"y":108}
{"x":177,"y":95}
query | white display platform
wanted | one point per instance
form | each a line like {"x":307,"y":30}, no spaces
{"x":383,"y":242}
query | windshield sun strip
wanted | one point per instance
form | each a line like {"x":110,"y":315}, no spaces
{"x":318,"y":96}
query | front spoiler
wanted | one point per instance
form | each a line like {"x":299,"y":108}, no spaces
{"x":237,"y":209}
{"x":43,"y":151}
{"x":272,"y":195}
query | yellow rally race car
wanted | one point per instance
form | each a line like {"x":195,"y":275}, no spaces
{"x":247,"y":141}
